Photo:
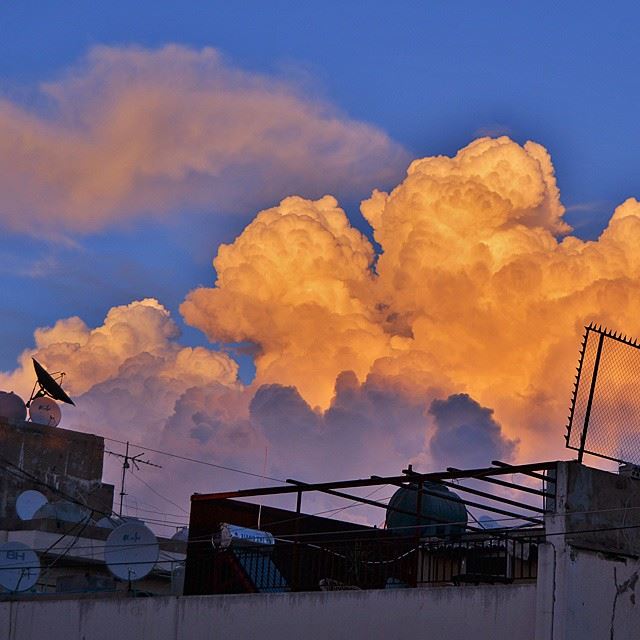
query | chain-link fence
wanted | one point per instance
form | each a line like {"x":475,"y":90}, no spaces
{"x":605,"y":409}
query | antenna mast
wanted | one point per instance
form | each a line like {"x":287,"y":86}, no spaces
{"x":135,"y":461}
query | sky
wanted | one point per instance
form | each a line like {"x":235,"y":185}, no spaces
{"x":140,"y":141}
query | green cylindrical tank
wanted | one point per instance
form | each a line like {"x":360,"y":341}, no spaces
{"x":442,"y":514}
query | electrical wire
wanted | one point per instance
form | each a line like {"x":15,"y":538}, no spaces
{"x":534,"y":534}
{"x":139,"y":479}
{"x":196,"y":461}
{"x":15,"y":468}
{"x":136,"y":507}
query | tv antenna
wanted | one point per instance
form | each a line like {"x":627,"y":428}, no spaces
{"x":135,"y":461}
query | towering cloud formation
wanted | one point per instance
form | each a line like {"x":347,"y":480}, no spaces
{"x":456,"y":345}
{"x":131,"y":131}
{"x":475,"y":291}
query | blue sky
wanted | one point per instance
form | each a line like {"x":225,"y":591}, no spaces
{"x":432,"y":75}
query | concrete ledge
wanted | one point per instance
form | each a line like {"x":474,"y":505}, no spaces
{"x":491,"y":612}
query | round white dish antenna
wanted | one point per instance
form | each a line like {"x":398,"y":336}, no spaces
{"x":45,"y":411}
{"x":28,"y":502}
{"x":12,"y":406}
{"x":64,"y":511}
{"x":181,"y":535}
{"x":19,"y":566}
{"x":131,"y":551}
{"x":108,"y":523}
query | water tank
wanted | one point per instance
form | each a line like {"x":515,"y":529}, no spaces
{"x":12,"y":406}
{"x":442,"y":511}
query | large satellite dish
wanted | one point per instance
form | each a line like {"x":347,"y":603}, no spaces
{"x":28,"y":502}
{"x":48,"y":385}
{"x":131,"y":551}
{"x":19,"y":566}
{"x":45,"y":411}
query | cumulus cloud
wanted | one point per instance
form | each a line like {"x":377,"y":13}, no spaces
{"x":131,"y":130}
{"x":480,"y":288}
{"x":466,"y":433}
{"x":126,"y":374}
{"x":301,"y":265}
{"x":457,"y":344}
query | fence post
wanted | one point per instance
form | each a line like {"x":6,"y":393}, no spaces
{"x":587,"y":414}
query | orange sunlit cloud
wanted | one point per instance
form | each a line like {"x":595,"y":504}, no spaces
{"x":473,"y":292}
{"x":132,"y":131}
{"x":465,"y":330}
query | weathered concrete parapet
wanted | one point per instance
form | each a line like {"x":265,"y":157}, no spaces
{"x":602,"y":510}
{"x":70,"y":461}
{"x":488,"y":612}
{"x":588,"y":567}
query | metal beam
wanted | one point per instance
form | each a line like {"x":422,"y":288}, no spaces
{"x":511,"y":485}
{"x":508,"y":468}
{"x":527,"y":469}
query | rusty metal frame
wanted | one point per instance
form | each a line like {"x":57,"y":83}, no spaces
{"x":411,"y":479}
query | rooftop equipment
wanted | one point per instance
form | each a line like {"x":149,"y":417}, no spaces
{"x":19,"y":566}
{"x":433,"y":509}
{"x":12,"y":406}
{"x":131,"y":551}
{"x":28,"y":502}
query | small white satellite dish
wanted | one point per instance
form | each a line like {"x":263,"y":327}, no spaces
{"x":12,"y":406}
{"x":28,"y":502}
{"x":19,"y":566}
{"x":131,"y":551}
{"x":108,"y":523}
{"x":181,"y":535}
{"x":63,"y":511}
{"x":45,"y":411}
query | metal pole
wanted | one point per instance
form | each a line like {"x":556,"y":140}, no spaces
{"x":418,"y":567}
{"x":587,"y":413}
{"x":296,"y":550}
{"x":125,"y":466}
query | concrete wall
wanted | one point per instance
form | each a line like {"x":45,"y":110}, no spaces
{"x":588,"y":569}
{"x":451,"y":613}
{"x":605,"y":604}
{"x":602,"y":510}
{"x":587,"y":595}
{"x":69,"y":461}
